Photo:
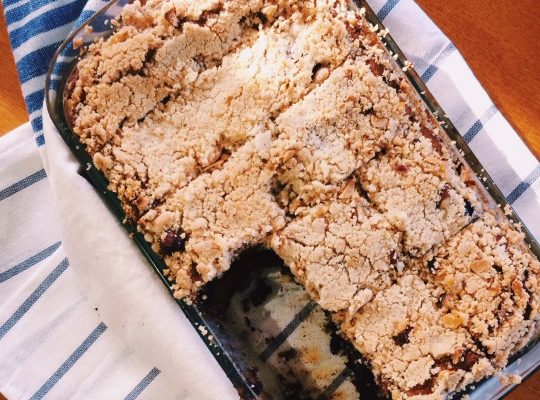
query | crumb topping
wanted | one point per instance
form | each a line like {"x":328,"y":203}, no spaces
{"x":340,"y":252}
{"x":488,"y":279}
{"x":222,"y":125}
{"x":411,"y":350}
{"x":416,"y":184}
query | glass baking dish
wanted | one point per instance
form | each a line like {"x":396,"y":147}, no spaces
{"x":270,"y":354}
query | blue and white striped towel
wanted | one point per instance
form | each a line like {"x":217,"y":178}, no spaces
{"x":99,"y":324}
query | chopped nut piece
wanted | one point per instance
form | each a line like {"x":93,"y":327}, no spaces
{"x":452,"y":321}
{"x":380,"y":123}
{"x":480,"y":266}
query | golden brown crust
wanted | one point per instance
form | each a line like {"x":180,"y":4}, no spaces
{"x":416,"y":184}
{"x":455,"y":317}
{"x":224,"y":124}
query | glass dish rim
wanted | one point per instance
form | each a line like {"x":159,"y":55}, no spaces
{"x":97,"y":179}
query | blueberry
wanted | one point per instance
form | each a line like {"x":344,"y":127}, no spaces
{"x":173,"y":242}
{"x":469,"y":209}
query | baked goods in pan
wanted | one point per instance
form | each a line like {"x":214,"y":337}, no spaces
{"x":455,"y":317}
{"x":285,"y":123}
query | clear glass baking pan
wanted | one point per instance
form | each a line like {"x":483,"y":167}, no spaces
{"x":260,"y":325}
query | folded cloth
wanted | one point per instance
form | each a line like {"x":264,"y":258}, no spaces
{"x":123,"y":338}
{"x":82,"y":314}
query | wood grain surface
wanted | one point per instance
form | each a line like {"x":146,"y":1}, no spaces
{"x":499,"y":39}
{"x":12,"y":108}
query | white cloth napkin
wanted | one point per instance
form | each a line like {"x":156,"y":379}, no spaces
{"x":103,"y":326}
{"x":104,"y":306}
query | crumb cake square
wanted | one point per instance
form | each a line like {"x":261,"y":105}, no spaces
{"x":411,"y":351}
{"x":217,"y":215}
{"x":336,"y":129}
{"x":224,"y":124}
{"x":340,"y":251}
{"x":488,"y":282}
{"x":416,"y":184}
{"x":455,"y":318}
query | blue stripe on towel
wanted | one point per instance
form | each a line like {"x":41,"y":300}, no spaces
{"x":20,"y":12}
{"x":40,"y":140}
{"x":22,"y":184}
{"x":29,"y":262}
{"x":46,"y":21}
{"x":386,"y":9}
{"x":72,"y":359}
{"x":479,"y":124}
{"x":34,"y":101}
{"x":335,"y":384}
{"x":31,"y":300}
{"x":7,"y":3}
{"x":37,"y":123}
{"x":524,"y":185}
{"x":286,"y":332}
{"x":432,"y":69}
{"x":36,"y":62}
{"x":143,"y":384}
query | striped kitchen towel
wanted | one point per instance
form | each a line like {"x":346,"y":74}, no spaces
{"x":99,"y":324}
{"x":59,"y":340}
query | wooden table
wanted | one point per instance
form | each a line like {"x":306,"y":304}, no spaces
{"x":498,"y":38}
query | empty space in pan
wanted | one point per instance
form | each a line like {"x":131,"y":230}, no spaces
{"x":285,"y":344}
